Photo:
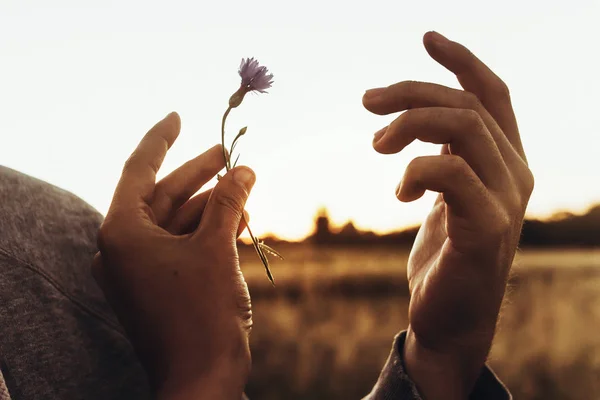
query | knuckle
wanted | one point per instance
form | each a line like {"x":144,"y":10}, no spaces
{"x":403,"y":119}
{"x":512,"y":211}
{"x":470,"y":56}
{"x":415,"y":166}
{"x":406,"y":124}
{"x":413,"y":175}
{"x":231,"y":200}
{"x":500,"y":89}
{"x":524,"y":183}
{"x":472,"y":119}
{"x":411,"y":85}
{"x":528,"y":183}
{"x":405,"y":87}
{"x":523,"y":191}
{"x":503,"y":224}
{"x":130,"y":162}
{"x":461,"y":171}
{"x":140,"y":159}
{"x":458,"y":165}
{"x":514,"y":204}
{"x":472,"y":101}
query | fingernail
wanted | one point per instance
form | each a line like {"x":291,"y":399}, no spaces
{"x":372,"y":93}
{"x":245,"y":176}
{"x":439,"y":39}
{"x":398,"y":188}
{"x":379,"y":134}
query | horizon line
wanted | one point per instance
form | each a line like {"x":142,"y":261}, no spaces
{"x":336,"y":228}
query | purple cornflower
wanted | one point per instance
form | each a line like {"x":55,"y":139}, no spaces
{"x":255,"y":76}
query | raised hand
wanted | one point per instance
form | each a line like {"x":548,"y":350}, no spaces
{"x":459,"y":264}
{"x":168,"y":265}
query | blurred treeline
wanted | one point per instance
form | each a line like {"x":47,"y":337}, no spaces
{"x":563,"y":229}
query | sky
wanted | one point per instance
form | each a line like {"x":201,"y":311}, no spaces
{"x":82,"y":81}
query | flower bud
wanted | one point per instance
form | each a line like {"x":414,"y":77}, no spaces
{"x":237,"y":98}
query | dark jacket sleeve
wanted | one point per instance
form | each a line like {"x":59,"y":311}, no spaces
{"x":395,"y":384}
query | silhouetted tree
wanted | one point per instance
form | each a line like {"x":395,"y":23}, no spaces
{"x":322,"y":232}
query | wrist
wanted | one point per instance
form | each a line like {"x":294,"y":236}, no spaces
{"x":448,"y":375}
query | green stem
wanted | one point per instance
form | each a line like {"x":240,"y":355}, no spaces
{"x":227,"y":162}
{"x":260,"y":253}
{"x":255,"y":242}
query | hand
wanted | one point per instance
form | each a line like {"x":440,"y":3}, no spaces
{"x":460,"y":261}
{"x":168,"y":265}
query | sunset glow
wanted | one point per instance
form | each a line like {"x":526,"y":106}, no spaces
{"x":81,"y":82}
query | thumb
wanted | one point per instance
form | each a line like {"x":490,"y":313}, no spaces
{"x":225,"y":207}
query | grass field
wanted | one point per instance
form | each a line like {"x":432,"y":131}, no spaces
{"x":325,"y":331}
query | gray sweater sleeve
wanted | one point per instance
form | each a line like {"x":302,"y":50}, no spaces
{"x":395,"y":384}
{"x":59,"y":338}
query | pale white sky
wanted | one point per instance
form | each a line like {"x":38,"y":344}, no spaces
{"x":82,"y":81}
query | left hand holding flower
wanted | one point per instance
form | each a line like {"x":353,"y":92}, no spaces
{"x":168,"y":265}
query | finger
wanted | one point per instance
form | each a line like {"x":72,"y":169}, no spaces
{"x":225,"y":207}
{"x":462,"y":129}
{"x":477,"y":78}
{"x":188,"y":216}
{"x":177,"y":187}
{"x":409,"y":95}
{"x":450,"y":175}
{"x":139,"y":173}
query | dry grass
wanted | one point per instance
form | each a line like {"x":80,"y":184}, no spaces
{"x":326,"y":329}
